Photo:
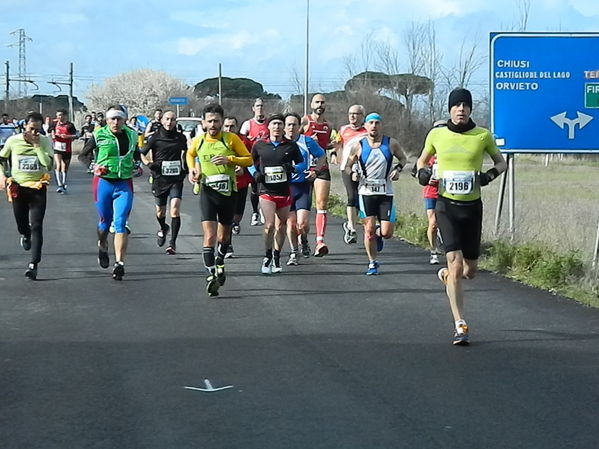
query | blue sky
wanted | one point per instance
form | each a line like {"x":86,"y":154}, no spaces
{"x":261,"y":39}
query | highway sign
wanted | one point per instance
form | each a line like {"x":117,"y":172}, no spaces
{"x":181,"y":101}
{"x":545,"y":92}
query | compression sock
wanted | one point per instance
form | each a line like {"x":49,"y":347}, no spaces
{"x":208,"y":256}
{"x":277,"y":256}
{"x":220,"y":252}
{"x":255,"y":200}
{"x":321,"y":224}
{"x":58,"y":177}
{"x":64,"y":177}
{"x":175,"y":227}
{"x":162,"y":222}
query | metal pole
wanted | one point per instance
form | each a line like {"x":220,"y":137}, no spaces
{"x":306,"y":78}
{"x":596,"y":248}
{"x":500,"y":201}
{"x":512,"y":176}
{"x":6,"y":92}
{"x":177,"y":110}
{"x":220,"y":83}
{"x":71,"y":111}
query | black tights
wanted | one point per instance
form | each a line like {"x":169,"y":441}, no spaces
{"x":29,"y":208}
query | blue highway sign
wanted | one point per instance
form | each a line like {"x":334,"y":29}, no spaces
{"x":545,"y":92}
{"x":178,"y":100}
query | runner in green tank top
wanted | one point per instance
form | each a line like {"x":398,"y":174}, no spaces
{"x":218,"y":154}
{"x":460,"y":148}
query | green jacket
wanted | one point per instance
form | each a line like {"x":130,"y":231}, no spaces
{"x":108,"y":155}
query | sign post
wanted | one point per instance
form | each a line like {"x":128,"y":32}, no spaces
{"x":178,"y":101}
{"x":544,"y":97}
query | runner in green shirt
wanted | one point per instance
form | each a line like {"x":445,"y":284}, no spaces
{"x":30,"y":158}
{"x":460,"y":148}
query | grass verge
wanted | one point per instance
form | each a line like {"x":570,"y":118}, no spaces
{"x":533,"y":264}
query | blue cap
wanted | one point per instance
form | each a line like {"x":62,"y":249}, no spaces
{"x":373,"y":116}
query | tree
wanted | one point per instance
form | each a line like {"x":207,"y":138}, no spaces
{"x":232,"y":88}
{"x":141,"y":91}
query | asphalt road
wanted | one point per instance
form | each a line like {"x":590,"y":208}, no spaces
{"x":320,"y":356}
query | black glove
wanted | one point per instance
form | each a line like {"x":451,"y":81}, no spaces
{"x":424,"y":176}
{"x":288,"y":167}
{"x":154,"y":166}
{"x":490,"y":175}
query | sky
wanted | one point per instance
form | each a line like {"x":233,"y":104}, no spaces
{"x":261,"y":39}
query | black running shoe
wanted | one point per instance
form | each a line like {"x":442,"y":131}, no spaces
{"x":212,"y":285}
{"x":460,"y":335}
{"x":31,"y":272}
{"x":103,"y":259}
{"x":119,"y":271}
{"x":26,"y":243}
{"x":161,"y":236}
{"x":221,"y":275}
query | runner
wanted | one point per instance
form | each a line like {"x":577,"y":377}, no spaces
{"x":154,"y":124}
{"x":30,"y":157}
{"x":167,"y":147}
{"x":348,"y":135}
{"x":63,"y":133}
{"x":298,"y":222}
{"x":218,"y":153}
{"x":255,"y":129}
{"x":430,"y":192}
{"x":273,"y":160}
{"x":7,"y":129}
{"x":459,"y":148}
{"x":315,"y":126}
{"x":87,"y":130}
{"x":372,"y":157}
{"x":115,"y":149}
{"x":244,"y":179}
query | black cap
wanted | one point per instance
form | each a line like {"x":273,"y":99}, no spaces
{"x":459,"y":95}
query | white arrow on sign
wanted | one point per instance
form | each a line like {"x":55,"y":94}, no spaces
{"x":209,"y":388}
{"x":561,"y":120}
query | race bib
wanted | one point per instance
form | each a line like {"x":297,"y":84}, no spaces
{"x":458,"y":182}
{"x":435,"y":171}
{"x":171,"y":168}
{"x":376,"y":186}
{"x":273,"y":175}
{"x":28,"y":164}
{"x":220,"y":183}
{"x":313,"y":160}
{"x":60,"y":146}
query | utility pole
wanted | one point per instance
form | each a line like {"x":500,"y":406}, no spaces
{"x":8,"y":80}
{"x":70,"y":84}
{"x":220,"y":83}
{"x":23,"y":38}
{"x":7,"y":87}
{"x":307,"y":56}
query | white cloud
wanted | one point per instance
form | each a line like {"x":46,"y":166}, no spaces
{"x":223,"y":43}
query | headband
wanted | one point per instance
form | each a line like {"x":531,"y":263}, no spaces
{"x":373,"y":116}
{"x":115,"y":113}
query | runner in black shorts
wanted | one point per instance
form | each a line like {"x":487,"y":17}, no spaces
{"x":168,"y":147}
{"x":459,"y":148}
{"x":244,"y":180}
{"x":273,"y":165}
{"x":298,"y":223}
{"x":218,"y":153}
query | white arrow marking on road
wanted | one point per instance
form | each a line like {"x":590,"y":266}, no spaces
{"x":581,"y":120}
{"x":209,"y":388}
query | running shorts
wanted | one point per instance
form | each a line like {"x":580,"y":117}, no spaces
{"x":460,"y":225}
{"x":217,"y":207}
{"x":301,"y":196}
{"x":379,"y":206}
